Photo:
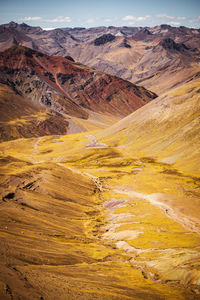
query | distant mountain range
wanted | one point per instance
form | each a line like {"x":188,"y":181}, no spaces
{"x":142,"y":55}
{"x":49,"y":69}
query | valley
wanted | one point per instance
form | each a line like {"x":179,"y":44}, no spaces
{"x":114,"y":234}
{"x":100,"y":178}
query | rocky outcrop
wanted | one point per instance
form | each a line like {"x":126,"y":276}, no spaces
{"x":125,"y":44}
{"x":69,"y":58}
{"x":21,"y":118}
{"x":105,"y":38}
{"x":169,"y":44}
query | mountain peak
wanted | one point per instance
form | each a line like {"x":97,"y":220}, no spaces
{"x":12,"y":24}
{"x":23,"y":50}
{"x":170,"y":44}
{"x":25,"y":25}
{"x":165,"y":26}
{"x":105,"y":38}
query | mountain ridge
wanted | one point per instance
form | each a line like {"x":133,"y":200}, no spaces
{"x":123,"y":55}
{"x":58,"y":72}
{"x":66,"y":88}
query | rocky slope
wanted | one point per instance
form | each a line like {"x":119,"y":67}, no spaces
{"x":21,"y":118}
{"x":149,"y":56}
{"x":68,"y":87}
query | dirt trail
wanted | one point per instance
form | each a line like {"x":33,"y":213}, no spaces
{"x":154,"y":199}
{"x":35,"y":151}
{"x":104,"y":226}
{"x":93,"y":142}
{"x":123,"y":224}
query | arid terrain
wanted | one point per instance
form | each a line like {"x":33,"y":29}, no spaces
{"x":100,"y":177}
{"x":157,"y":58}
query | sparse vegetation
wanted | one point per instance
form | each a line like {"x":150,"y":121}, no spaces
{"x":105,"y":212}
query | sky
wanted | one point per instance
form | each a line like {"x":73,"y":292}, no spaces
{"x":91,"y":13}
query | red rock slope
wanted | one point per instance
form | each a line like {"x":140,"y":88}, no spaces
{"x":68,"y":87}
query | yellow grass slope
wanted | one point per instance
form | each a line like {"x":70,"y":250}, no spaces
{"x":164,"y":137}
{"x":53,"y":243}
{"x":166,"y":129}
{"x":20,"y":118}
{"x":111,"y":217}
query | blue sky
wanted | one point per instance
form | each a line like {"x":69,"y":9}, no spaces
{"x":90,"y":13}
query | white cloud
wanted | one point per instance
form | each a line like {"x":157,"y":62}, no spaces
{"x":195,"y":20}
{"x":108,"y":20}
{"x":90,"y":20}
{"x":164,"y":16}
{"x":49,"y":28}
{"x":181,"y":18}
{"x":31,"y":19}
{"x":174,"y":23}
{"x":128,"y":18}
{"x":143,"y":18}
{"x":131,"y":23}
{"x":135,"y":19}
{"x":58,"y":19}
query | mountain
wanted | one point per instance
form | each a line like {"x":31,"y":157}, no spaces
{"x":67,"y":87}
{"x":168,"y":128}
{"x":68,"y":90}
{"x":14,"y":34}
{"x":140,"y":55}
{"x":99,"y":193}
{"x":23,"y":119}
{"x":165,"y":134}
